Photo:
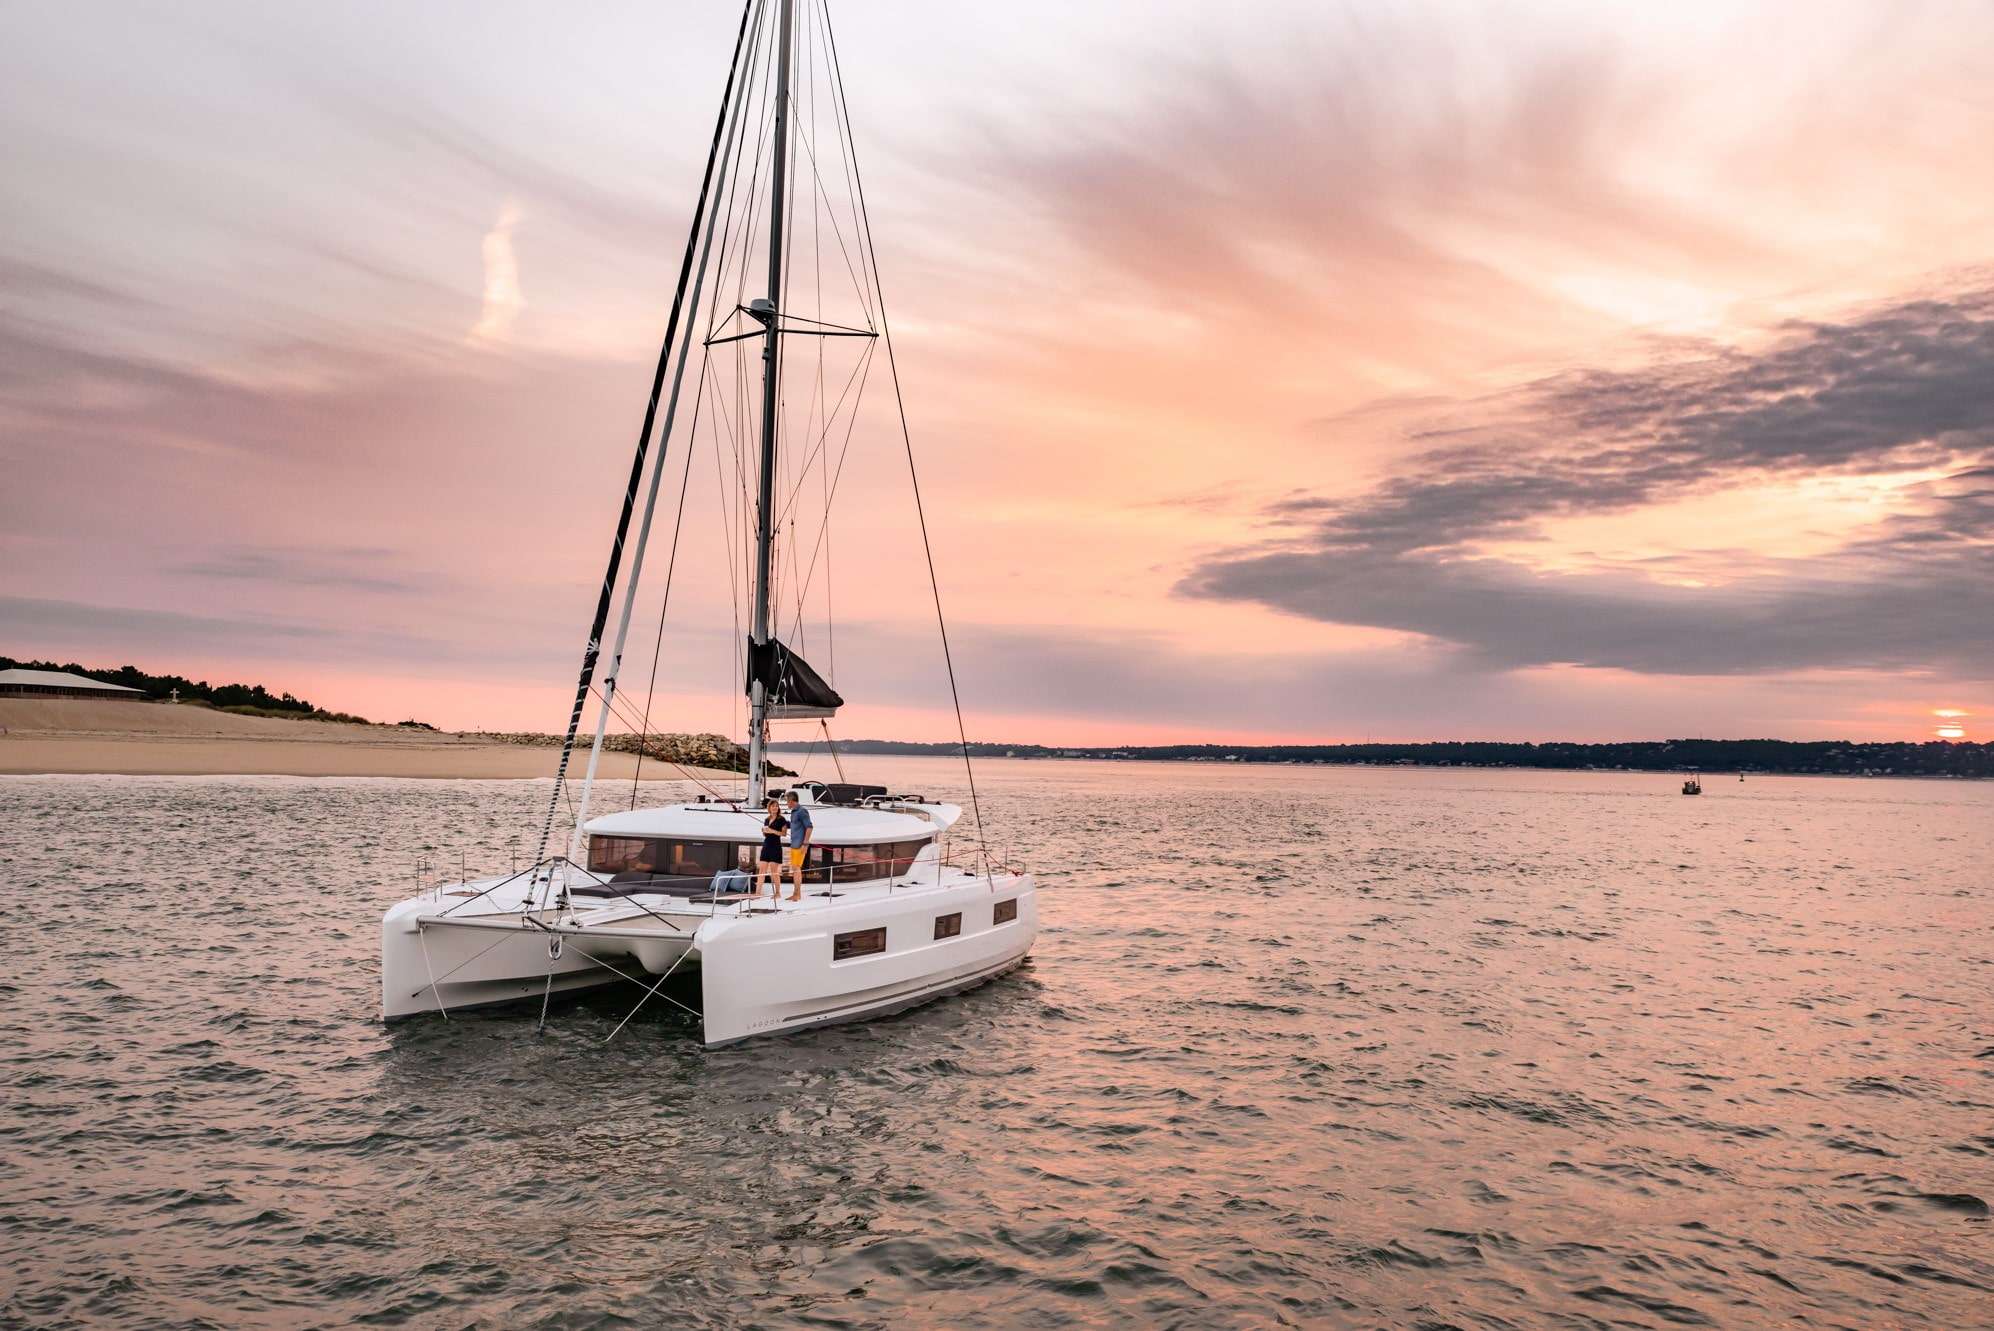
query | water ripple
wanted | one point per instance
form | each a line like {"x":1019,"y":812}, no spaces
{"x":1411,"y":1049}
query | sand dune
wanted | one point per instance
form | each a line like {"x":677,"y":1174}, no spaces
{"x":64,"y":735}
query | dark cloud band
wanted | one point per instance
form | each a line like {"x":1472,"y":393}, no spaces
{"x":1907,"y":388}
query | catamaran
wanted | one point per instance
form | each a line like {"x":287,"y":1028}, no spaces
{"x":896,"y":909}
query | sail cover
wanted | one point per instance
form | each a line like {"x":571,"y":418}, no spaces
{"x":792,"y":688}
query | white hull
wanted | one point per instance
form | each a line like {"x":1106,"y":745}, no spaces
{"x":765,"y":975}
{"x":762,"y":972}
{"x":431,"y":963}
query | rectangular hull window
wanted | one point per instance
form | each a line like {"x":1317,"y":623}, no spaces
{"x":1006,"y":912}
{"x":948,"y":926}
{"x":859,"y":943}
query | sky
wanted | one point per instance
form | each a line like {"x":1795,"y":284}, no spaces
{"x":1276,"y":372}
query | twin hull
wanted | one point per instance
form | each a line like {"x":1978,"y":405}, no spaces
{"x":761,"y":973}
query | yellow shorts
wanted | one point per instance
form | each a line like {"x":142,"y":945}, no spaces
{"x":796,"y":857}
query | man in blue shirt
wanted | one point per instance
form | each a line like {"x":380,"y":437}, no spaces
{"x":799,"y":844}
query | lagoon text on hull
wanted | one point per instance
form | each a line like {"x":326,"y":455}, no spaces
{"x":901,"y":899}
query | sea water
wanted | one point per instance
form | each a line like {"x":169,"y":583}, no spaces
{"x":1297,"y":1046}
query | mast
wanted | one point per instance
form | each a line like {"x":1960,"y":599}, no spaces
{"x":769,"y":313}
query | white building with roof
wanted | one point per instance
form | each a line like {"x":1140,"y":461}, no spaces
{"x":19,"y":683}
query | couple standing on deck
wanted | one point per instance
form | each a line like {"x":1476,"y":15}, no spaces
{"x":797,"y":825}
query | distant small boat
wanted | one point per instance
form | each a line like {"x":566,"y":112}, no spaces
{"x":1692,"y":787}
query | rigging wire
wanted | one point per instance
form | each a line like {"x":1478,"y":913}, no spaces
{"x":906,"y":433}
{"x":684,"y":774}
{"x":819,"y":399}
{"x":796,"y":493}
{"x":593,"y":648}
{"x":671,"y":567}
{"x":848,"y":158}
{"x":810,"y":153}
{"x":824,"y":530}
{"x":832,"y":745}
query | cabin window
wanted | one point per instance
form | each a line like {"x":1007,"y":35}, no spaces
{"x":860,"y":864}
{"x":898,"y":856}
{"x":858,"y":943}
{"x":680,"y":861}
{"x":620,"y":854}
{"x":948,"y":926}
{"x":1005,"y":912}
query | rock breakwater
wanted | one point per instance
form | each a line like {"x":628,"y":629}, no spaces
{"x":714,"y":752}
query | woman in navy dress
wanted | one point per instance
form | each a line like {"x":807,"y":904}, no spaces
{"x":768,"y":865}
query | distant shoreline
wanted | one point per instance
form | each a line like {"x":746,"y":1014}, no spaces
{"x":88,"y":737}
{"x":1956,"y":759}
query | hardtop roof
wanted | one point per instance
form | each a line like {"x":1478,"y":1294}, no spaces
{"x":831,"y":824}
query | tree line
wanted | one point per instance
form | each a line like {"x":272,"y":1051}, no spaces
{"x":247,"y":697}
{"x":1840,"y":757}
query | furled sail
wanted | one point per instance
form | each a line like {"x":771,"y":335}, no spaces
{"x":793,"y":689}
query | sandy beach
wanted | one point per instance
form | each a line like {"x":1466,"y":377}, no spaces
{"x":42,"y":736}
